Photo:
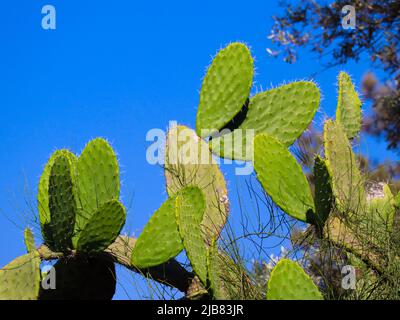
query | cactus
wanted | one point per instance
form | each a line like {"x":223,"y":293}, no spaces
{"x":20,"y":279}
{"x":78,"y":197}
{"x":189,"y":163}
{"x":225,"y":88}
{"x":190,"y":205}
{"x":348,"y":111}
{"x":282,"y":178}
{"x":284,"y":113}
{"x":288,"y":281}
{"x":81,"y":216}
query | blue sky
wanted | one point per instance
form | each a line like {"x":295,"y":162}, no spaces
{"x":118,"y":69}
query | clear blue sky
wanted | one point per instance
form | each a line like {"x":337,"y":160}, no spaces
{"x":118,"y":69}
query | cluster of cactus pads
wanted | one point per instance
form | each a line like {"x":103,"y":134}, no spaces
{"x":81,"y":215}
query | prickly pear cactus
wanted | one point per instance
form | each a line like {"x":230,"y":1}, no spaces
{"x":20,"y":279}
{"x":78,"y":199}
{"x":284,"y":113}
{"x":282,"y":178}
{"x":225,"y":88}
{"x":189,"y":163}
{"x":348,"y":112}
{"x":288,"y":281}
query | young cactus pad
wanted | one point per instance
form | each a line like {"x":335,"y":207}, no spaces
{"x":348,"y":112}
{"x":225,"y":88}
{"x":282,"y":178}
{"x":288,"y":281}
{"x":20,"y":279}
{"x":284,"y":113}
{"x":189,"y":162}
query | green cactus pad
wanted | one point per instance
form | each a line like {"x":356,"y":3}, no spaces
{"x":29,"y":240}
{"x":347,"y":183}
{"x":62,"y":203}
{"x":160,"y":240}
{"x":288,"y":281}
{"x":225,"y":88}
{"x":348,"y":112}
{"x":82,"y":278}
{"x":190,"y":207}
{"x":201,"y":170}
{"x":98,"y":182}
{"x":43,"y":193}
{"x":323,"y":190}
{"x":103,"y":228}
{"x":397,"y":200}
{"x":284,"y":113}
{"x":20,"y":279}
{"x":282,"y":178}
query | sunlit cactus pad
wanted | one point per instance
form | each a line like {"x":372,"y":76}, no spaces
{"x":225,"y":88}
{"x":288,"y":281}
{"x":284,"y":113}
{"x":282,"y":177}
